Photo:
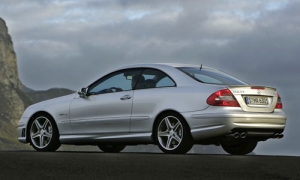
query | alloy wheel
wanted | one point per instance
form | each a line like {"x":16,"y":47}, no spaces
{"x":41,"y":132}
{"x":170,"y":133}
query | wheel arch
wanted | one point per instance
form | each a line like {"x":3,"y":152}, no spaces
{"x":160,"y":115}
{"x":32,"y":118}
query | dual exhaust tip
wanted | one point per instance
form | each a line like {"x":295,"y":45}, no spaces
{"x":278,"y":136}
{"x":240,"y":135}
{"x":243,"y":135}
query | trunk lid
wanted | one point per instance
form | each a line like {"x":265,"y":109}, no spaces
{"x":255,"y":98}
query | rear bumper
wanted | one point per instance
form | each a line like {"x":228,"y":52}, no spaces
{"x":215,"y":121}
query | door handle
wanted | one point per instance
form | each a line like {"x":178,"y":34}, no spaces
{"x":126,"y":97}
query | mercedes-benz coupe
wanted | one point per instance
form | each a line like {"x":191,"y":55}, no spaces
{"x":171,"y":105}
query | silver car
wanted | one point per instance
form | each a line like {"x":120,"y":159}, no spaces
{"x":172,"y":105}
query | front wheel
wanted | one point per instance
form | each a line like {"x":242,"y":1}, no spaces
{"x":111,"y":148}
{"x":172,"y":134}
{"x":43,"y":133}
{"x":239,"y":147}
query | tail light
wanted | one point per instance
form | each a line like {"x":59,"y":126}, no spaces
{"x":279,"y":103}
{"x":222,"y":98}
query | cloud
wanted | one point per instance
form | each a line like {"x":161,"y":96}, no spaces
{"x":73,"y":32}
{"x":255,"y":34}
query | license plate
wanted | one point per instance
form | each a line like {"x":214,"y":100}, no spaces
{"x":256,"y":100}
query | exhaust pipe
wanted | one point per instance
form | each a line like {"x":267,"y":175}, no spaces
{"x":236,"y":135}
{"x":243,"y":135}
{"x":276,"y":135}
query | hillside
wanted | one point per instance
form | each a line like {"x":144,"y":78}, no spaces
{"x":38,"y":96}
{"x":13,"y":99}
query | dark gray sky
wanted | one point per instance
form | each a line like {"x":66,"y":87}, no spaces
{"x":70,"y":43}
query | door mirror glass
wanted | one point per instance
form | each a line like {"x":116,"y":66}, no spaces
{"x":83,"y":92}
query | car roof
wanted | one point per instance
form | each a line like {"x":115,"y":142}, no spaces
{"x":158,"y":65}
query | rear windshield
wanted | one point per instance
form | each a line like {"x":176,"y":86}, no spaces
{"x":211,"y":76}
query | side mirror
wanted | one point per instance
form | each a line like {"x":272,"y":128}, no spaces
{"x":83,"y":92}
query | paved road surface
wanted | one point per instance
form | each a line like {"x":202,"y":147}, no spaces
{"x":23,"y":165}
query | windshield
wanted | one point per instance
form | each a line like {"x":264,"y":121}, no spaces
{"x":211,"y":76}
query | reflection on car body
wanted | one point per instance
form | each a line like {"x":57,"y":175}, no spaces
{"x":172,"y":105}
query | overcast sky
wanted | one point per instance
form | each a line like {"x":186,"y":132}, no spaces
{"x":70,"y":43}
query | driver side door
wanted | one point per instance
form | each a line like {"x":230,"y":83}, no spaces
{"x":107,"y":106}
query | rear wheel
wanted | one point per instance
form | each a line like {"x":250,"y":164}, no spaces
{"x":43,"y":133}
{"x":172,"y":134}
{"x":239,"y":147}
{"x":111,"y":148}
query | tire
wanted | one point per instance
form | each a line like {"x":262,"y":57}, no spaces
{"x":111,"y":148}
{"x":43,"y":133}
{"x":239,"y":147}
{"x":172,"y":134}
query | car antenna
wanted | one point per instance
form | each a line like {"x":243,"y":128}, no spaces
{"x":201,"y":67}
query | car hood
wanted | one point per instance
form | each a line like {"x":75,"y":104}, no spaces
{"x":51,"y":105}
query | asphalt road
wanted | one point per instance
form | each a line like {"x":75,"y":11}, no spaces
{"x":142,"y":166}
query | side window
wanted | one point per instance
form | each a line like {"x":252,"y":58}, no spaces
{"x":115,"y":82}
{"x":153,"y":78}
{"x":165,"y":82}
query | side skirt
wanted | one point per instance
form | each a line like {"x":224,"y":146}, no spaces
{"x":94,"y":139}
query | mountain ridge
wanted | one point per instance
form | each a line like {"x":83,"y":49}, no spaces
{"x":13,"y":99}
